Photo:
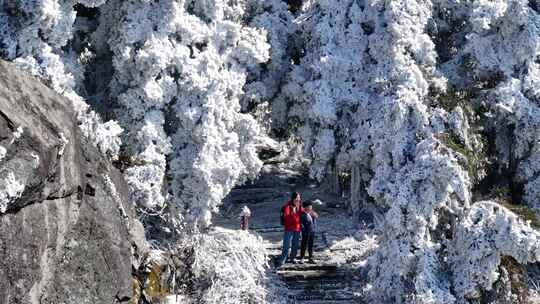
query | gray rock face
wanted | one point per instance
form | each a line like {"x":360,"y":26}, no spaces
{"x":64,"y":221}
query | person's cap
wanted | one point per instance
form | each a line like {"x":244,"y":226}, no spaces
{"x":307,"y":203}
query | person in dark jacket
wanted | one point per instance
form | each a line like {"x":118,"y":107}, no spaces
{"x":291,"y":213}
{"x":308,"y":221}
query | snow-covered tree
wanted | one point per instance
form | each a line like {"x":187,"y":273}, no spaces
{"x":172,"y":73}
{"x":422,"y":103}
{"x":393,"y":91}
{"x":180,"y":68}
{"x":38,"y":36}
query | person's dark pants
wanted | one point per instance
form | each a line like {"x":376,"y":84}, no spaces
{"x":288,"y":238}
{"x":307,"y":242}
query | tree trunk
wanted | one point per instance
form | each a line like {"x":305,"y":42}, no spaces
{"x":357,"y":192}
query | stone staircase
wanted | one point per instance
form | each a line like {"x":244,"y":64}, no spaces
{"x":324,"y":282}
{"x":317,"y":283}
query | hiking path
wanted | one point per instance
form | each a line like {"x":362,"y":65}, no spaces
{"x":335,"y":277}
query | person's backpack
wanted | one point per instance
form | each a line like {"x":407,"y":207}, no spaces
{"x":282,"y":215}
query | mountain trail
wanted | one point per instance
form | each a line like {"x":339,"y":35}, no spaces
{"x":336,"y":277}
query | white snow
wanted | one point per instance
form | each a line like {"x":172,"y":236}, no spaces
{"x":350,"y":86}
{"x":488,"y":232}
{"x":3,"y":152}
{"x":10,"y":189}
{"x":232,"y":265}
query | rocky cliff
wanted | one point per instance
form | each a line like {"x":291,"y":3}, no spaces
{"x":65,"y":220}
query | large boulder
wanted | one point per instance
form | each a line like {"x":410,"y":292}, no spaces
{"x":65,"y":221}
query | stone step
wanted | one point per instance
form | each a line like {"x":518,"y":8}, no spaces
{"x":319,"y":258}
{"x":324,"y":295}
{"x":342,"y":301}
{"x":294,"y":275}
{"x":319,"y":253}
{"x":310,"y":285}
{"x":275,"y":257}
{"x":305,"y":267}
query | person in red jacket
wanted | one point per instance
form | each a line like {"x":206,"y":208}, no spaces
{"x":292,"y":211}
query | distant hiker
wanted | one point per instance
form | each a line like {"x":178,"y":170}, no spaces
{"x":308,"y":221}
{"x":290,"y":217}
{"x":244,"y":218}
